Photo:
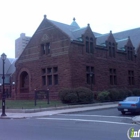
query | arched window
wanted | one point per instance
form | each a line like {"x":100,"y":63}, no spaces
{"x":24,"y":82}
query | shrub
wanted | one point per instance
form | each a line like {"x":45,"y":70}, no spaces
{"x":71,"y":98}
{"x":123,"y":93}
{"x":128,"y":92}
{"x":79,"y":95}
{"x":85,"y":95}
{"x":103,"y":96}
{"x":68,"y":95}
{"x":136,"y":92}
{"x":114,"y":94}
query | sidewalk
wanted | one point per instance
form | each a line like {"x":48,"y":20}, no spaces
{"x":30,"y":113}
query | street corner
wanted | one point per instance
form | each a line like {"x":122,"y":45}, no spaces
{"x":12,"y":117}
{"x":5,"y":117}
{"x":136,"y":119}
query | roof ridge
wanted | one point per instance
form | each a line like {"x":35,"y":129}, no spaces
{"x":59,"y":22}
{"x":124,"y":39}
{"x":127,"y":30}
{"x":79,"y":29}
{"x":103,"y":35}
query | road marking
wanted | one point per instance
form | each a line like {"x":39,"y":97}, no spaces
{"x":83,"y":120}
{"x":95,"y":116}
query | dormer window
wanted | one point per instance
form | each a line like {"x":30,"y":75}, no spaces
{"x":45,"y":48}
{"x":130,"y":53}
{"x":89,"y":45}
{"x":111,"y":49}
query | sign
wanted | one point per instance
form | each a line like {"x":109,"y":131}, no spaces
{"x":41,"y":94}
{"x":132,"y":134}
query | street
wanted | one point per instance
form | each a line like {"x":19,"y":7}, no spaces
{"x":98,"y":124}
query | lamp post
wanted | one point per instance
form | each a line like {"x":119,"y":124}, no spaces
{"x":13,"y":89}
{"x":91,"y":75}
{"x":3,"y":57}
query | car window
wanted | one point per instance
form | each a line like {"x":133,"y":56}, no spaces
{"x":133,"y":99}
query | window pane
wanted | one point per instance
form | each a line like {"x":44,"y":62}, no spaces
{"x":129,"y":80}
{"x":49,"y":79}
{"x":55,"y":69}
{"x":110,"y":51}
{"x":87,"y":38}
{"x":87,"y":46}
{"x":48,"y":48}
{"x":133,"y":83}
{"x":113,"y":53}
{"x":43,"y":49}
{"x":49,"y":70}
{"x":111,"y":79}
{"x":115,"y":80}
{"x":91,"y":39}
{"x":43,"y":71}
{"x":88,"y":78}
{"x":92,"y":79}
{"x":91,"y":47}
{"x":110,"y":70}
{"x":55,"y":79}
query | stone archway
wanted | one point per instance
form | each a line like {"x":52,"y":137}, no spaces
{"x":24,"y":82}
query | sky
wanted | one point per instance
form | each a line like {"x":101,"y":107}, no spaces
{"x":24,"y":16}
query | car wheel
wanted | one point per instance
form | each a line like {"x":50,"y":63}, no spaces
{"x":123,"y":112}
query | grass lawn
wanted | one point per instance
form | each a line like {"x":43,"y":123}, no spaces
{"x":29,"y":104}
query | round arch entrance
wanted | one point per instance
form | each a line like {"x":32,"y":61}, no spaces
{"x":24,"y":82}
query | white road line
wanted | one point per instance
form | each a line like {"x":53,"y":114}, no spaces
{"x":95,"y":116}
{"x":83,"y":120}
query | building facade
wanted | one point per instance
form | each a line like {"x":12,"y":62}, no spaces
{"x":67,"y":56}
{"x":20,"y":44}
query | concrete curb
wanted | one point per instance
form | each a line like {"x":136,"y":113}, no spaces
{"x":57,"y":111}
{"x":55,"y":108}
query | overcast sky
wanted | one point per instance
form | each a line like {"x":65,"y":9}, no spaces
{"x":24,"y":16}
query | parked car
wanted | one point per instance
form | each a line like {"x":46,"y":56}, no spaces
{"x":130,"y":104}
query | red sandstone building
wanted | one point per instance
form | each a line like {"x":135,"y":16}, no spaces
{"x":67,"y":56}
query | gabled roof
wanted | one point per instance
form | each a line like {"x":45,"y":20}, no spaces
{"x":102,"y":38}
{"x":12,"y":67}
{"x":78,"y":32}
{"x":73,"y":30}
{"x":121,"y":43}
{"x":9,"y":66}
{"x":133,"y":33}
{"x":65,"y":28}
{"x":96,"y":34}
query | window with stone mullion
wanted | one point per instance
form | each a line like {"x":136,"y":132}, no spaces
{"x":131,"y":77}
{"x":113,"y":77}
{"x":90,"y":70}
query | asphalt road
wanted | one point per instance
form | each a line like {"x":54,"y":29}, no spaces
{"x":100,"y":125}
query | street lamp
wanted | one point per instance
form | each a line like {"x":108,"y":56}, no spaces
{"x":3,"y":57}
{"x":13,"y":89}
{"x":91,"y":75}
